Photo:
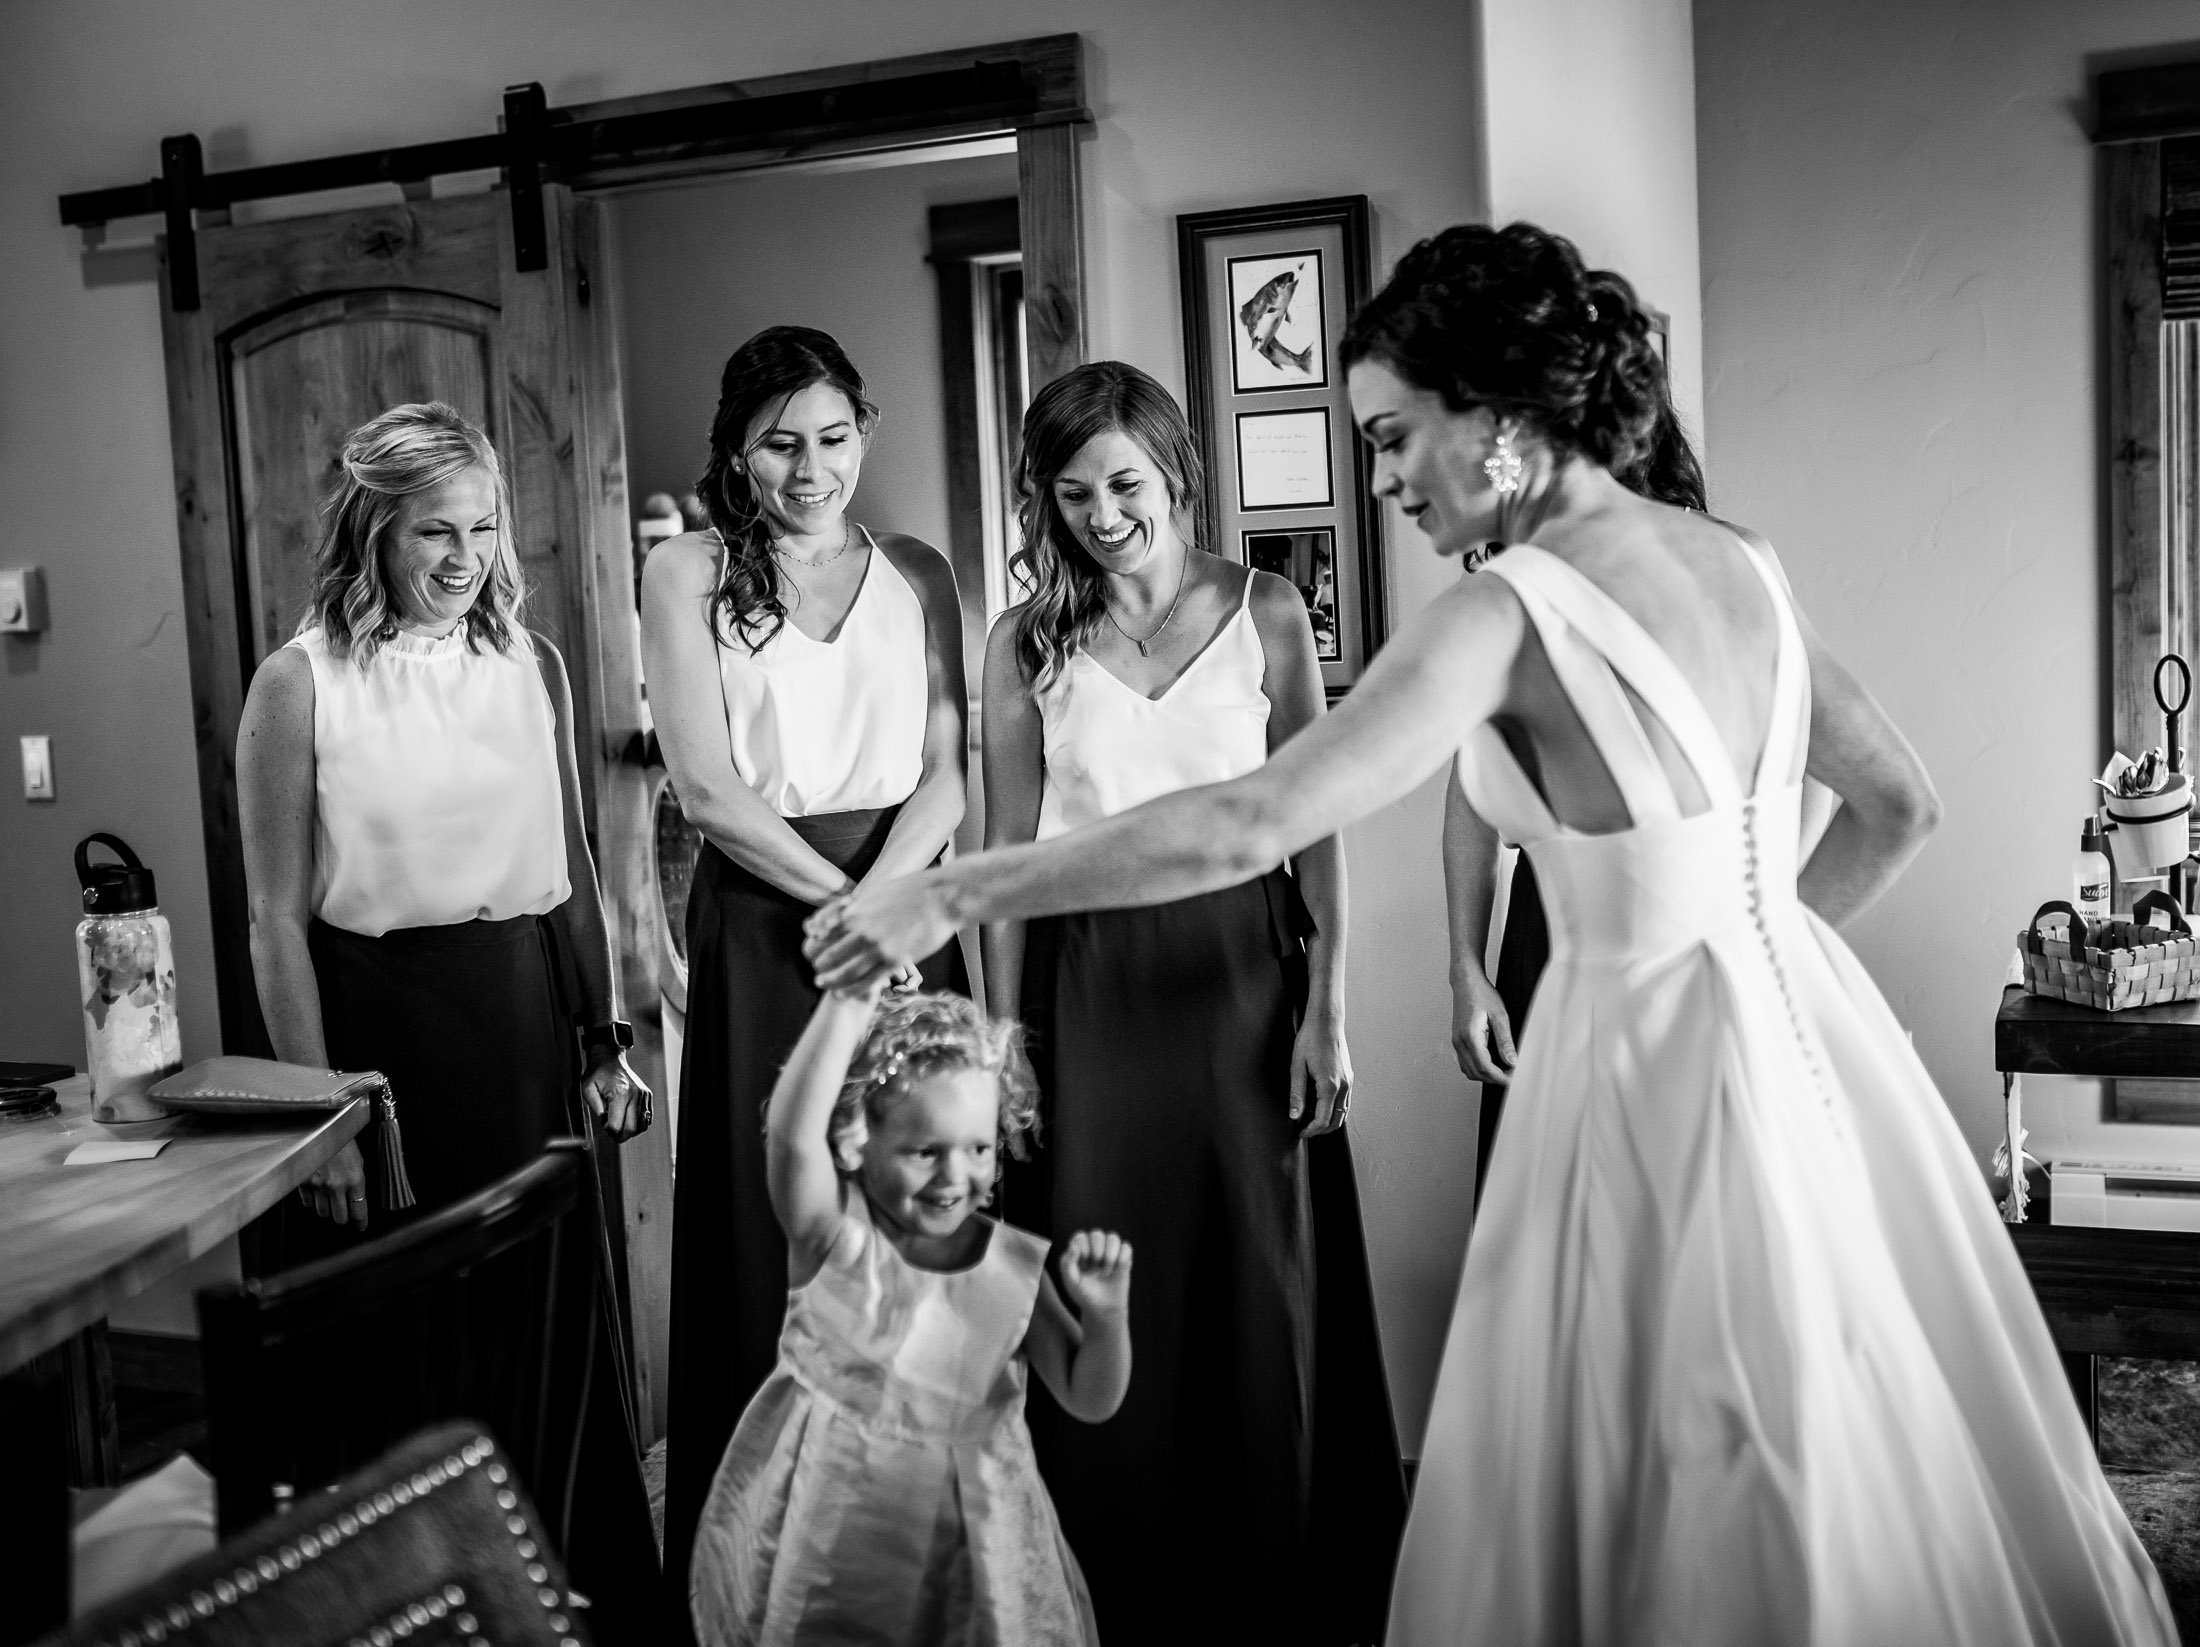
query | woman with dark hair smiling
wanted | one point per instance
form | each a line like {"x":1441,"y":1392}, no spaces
{"x":806,"y":677}
{"x":1742,"y":1353}
{"x":1192,"y":1057}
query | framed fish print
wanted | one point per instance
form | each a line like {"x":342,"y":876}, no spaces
{"x":1267,"y":291}
{"x":1277,"y":341}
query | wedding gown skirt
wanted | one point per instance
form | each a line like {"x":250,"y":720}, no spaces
{"x":1742,"y":1353}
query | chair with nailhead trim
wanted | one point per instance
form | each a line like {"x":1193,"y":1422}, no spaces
{"x":491,"y":1310}
{"x":433,"y":1545}
{"x":472,"y":1312}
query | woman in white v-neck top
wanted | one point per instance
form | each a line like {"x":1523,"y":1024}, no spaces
{"x":1108,"y":746}
{"x":1192,"y":1059}
{"x":806,"y":679}
{"x":820,"y":726}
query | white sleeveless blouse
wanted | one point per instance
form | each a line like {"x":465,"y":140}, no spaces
{"x":834,"y":726}
{"x":1109,"y":747}
{"x":436,"y":791}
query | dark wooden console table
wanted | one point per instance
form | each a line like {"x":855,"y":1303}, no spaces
{"x":2103,"y":1291}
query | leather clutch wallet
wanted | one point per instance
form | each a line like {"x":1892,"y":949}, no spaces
{"x":433,"y":1545}
{"x":260,"y":1086}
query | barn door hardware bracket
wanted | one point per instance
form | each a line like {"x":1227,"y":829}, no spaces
{"x":540,"y":145}
{"x":526,"y":113}
{"x":182,"y":177}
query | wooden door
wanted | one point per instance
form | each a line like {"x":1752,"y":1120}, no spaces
{"x":306,"y":328}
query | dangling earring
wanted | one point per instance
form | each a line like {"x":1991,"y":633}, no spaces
{"x":1503,"y":465}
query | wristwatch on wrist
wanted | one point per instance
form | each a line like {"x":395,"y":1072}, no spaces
{"x":612,"y":1032}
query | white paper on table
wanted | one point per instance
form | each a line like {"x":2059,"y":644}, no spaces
{"x":102,"y":1150}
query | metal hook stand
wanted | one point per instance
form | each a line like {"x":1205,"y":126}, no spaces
{"x":2180,"y":876}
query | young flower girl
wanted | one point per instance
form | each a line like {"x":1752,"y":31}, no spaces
{"x":881,"y":1486}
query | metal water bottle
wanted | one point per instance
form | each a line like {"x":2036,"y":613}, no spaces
{"x":126,"y":982}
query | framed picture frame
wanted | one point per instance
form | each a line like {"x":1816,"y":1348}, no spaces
{"x":1267,"y":291}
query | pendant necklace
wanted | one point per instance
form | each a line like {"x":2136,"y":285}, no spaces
{"x":1108,"y":606}
{"x":847,"y":537}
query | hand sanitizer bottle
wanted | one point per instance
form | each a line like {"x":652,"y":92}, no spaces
{"x":2089,"y":874}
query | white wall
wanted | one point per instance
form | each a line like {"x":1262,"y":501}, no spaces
{"x":1591,"y":113}
{"x":1902,"y":307}
{"x":1200,"y":104}
{"x":710,"y":264}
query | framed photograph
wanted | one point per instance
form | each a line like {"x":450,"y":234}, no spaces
{"x":1283,"y":460}
{"x":1267,"y":291}
{"x":1279,"y":341}
{"x":1308,"y":562}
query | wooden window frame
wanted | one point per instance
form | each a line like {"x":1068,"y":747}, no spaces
{"x":2147,"y":127}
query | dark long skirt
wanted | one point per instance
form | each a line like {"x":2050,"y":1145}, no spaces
{"x":1249,"y":1489}
{"x":750,"y":991}
{"x":1522,"y":954}
{"x":469,"y":1024}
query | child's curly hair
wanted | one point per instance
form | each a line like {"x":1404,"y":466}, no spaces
{"x":913,"y":1036}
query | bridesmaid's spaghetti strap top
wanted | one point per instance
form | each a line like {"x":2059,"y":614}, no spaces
{"x":834,"y":726}
{"x":435,"y":780}
{"x":1109,"y":747}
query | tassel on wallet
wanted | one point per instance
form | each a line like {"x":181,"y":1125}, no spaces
{"x":397,"y":1190}
{"x":234,"y":1085}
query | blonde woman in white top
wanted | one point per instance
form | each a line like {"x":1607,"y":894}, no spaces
{"x":1192,"y":1058}
{"x":807,"y":681}
{"x":415,"y":865}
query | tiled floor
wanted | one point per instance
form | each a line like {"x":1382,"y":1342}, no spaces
{"x":2150,"y":1441}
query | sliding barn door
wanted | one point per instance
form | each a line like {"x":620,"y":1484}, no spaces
{"x":308,"y":327}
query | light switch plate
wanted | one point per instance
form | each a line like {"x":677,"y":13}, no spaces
{"x":22,"y":600}
{"x":38,"y":768}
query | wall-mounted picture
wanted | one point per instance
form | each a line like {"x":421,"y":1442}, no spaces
{"x":1308,"y":562}
{"x":1279,"y":341}
{"x":1283,"y":460}
{"x":1267,"y":292}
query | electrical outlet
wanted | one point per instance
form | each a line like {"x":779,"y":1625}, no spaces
{"x":38,"y":768}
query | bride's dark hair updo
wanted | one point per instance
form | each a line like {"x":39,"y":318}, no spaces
{"x":765,"y":373}
{"x":1511,"y":319}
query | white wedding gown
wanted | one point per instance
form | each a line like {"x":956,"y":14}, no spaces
{"x":1743,"y":1356}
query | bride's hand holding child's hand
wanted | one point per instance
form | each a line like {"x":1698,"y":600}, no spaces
{"x":878,"y":928}
{"x":1096,"y":1272}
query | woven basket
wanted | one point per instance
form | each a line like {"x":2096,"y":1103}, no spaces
{"x":2113,"y":964}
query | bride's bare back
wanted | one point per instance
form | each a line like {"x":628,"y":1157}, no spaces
{"x":1687,"y":581}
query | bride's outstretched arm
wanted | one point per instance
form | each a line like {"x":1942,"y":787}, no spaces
{"x":1888,"y":806}
{"x":1444,"y":673}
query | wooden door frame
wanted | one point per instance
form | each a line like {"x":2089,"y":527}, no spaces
{"x":1049,"y":196}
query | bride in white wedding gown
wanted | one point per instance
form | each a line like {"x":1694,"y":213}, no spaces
{"x":1742,"y":1355}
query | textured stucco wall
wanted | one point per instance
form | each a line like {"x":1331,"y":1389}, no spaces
{"x":1901,"y":314}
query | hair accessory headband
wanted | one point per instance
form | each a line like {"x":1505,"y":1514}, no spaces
{"x":886,"y":1074}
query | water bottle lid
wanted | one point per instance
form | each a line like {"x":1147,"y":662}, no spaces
{"x":113,"y":889}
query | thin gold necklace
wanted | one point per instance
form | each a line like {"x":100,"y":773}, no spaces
{"x":847,"y":537}
{"x":1184,"y":566}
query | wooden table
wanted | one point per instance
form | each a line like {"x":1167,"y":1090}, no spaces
{"x":2038,"y":1035}
{"x":74,"y":1243}
{"x":80,"y":1240}
{"x":2103,"y":1291}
